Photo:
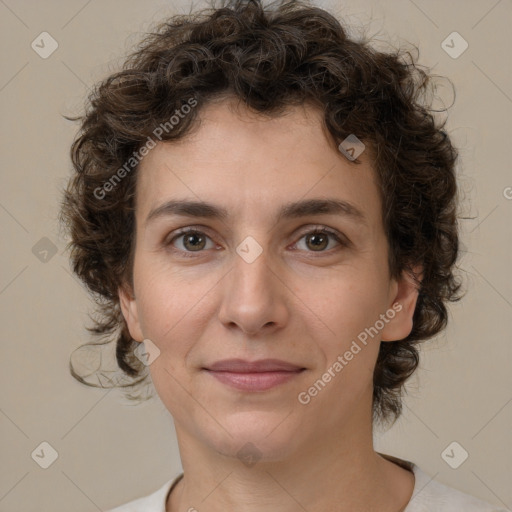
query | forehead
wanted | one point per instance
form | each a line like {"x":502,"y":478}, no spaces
{"x":245,"y":160}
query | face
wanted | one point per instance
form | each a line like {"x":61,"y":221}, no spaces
{"x":258,"y":283}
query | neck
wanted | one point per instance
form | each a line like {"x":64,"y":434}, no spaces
{"x":340,"y":471}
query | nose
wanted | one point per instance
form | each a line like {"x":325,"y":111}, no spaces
{"x":254,"y":296}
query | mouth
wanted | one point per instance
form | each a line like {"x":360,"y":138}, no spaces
{"x":253,"y":376}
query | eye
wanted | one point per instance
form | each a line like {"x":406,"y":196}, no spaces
{"x":192,"y":240}
{"x":318,"y":239}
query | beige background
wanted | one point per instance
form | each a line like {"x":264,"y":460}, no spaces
{"x":109,"y":451}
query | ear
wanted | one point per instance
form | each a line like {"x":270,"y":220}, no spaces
{"x":131,"y":315}
{"x":403,"y":304}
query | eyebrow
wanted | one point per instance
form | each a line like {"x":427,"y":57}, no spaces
{"x":304,"y":208}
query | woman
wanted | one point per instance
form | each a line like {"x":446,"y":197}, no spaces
{"x":268,"y":211}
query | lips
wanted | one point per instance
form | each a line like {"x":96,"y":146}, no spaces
{"x":253,"y":376}
{"x":263,"y":365}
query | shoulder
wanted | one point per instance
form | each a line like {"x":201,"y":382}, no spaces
{"x":154,"y":502}
{"x":432,"y":496}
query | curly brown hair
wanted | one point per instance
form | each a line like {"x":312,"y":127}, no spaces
{"x":271,"y":58}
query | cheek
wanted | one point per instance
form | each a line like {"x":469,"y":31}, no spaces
{"x":350,"y":301}
{"x":356,"y":298}
{"x":166,"y":302}
{"x":350,"y":348}
{"x":171,"y":313}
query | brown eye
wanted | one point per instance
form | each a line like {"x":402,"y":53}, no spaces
{"x":194,"y":241}
{"x":318,"y":239}
{"x":189,"y":240}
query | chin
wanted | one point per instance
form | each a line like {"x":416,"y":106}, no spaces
{"x":256,"y":436}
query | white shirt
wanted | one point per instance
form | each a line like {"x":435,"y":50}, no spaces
{"x":428,"y":496}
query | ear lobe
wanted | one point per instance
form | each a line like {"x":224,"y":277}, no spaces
{"x":128,"y":305}
{"x":404,"y":305}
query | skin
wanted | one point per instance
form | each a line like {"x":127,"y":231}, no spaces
{"x":295,"y":302}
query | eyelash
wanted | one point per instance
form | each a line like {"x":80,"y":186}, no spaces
{"x":191,"y":229}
